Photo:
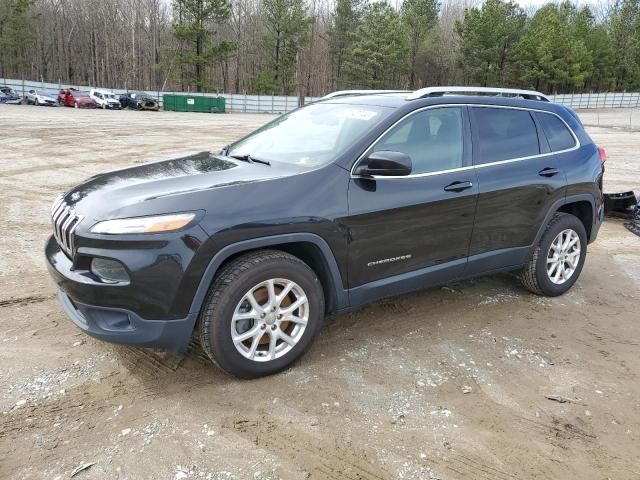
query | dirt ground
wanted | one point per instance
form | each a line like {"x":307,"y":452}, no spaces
{"x":449,"y":383}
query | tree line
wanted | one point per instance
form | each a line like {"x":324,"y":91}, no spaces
{"x":311,"y":47}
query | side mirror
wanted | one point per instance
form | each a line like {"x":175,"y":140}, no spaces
{"x":385,"y":163}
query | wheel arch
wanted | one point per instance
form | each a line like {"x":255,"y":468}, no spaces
{"x":310,"y":248}
{"x":583,"y":210}
{"x":582,"y":206}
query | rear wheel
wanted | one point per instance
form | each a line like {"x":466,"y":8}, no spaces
{"x":263,"y":311}
{"x":558,"y":259}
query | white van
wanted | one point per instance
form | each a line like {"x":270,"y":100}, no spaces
{"x":105,"y":99}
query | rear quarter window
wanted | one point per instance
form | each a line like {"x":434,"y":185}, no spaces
{"x":557,"y":133}
{"x":504,"y":134}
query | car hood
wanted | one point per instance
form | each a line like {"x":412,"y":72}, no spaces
{"x":152,"y":188}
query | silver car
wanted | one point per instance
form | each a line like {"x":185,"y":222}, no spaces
{"x":40,"y":97}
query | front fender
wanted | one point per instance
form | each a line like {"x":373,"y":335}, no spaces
{"x":225,"y":253}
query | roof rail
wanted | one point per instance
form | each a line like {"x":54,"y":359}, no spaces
{"x":441,"y":91}
{"x":345,"y":93}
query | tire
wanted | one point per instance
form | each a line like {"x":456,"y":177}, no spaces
{"x":228,"y":298}
{"x":553,"y":281}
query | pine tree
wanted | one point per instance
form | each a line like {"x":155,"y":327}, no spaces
{"x":420,"y":16}
{"x":16,"y":36}
{"x":488,"y":35}
{"x":195,"y":30}
{"x":625,"y":36}
{"x":378,"y":59}
{"x":551,"y":54}
{"x":287,"y":24}
{"x":342,"y":35}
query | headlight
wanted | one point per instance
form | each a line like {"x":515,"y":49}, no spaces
{"x":155,"y":224}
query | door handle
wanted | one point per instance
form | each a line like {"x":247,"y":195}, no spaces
{"x":548,"y":172}
{"x":458,"y":186}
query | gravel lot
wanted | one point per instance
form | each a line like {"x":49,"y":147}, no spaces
{"x":449,"y":383}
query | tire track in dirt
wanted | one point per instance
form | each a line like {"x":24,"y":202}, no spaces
{"x":25,"y":300}
{"x":341,"y":462}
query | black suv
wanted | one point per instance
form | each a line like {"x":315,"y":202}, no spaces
{"x":337,"y":204}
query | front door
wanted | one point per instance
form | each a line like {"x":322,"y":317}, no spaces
{"x":400,"y":226}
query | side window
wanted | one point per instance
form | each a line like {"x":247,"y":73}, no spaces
{"x":557,"y":133}
{"x":433,"y":139}
{"x":504,"y":134}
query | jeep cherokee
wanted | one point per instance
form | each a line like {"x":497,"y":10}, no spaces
{"x":325,"y":209}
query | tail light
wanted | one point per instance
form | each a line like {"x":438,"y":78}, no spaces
{"x":603,"y":154}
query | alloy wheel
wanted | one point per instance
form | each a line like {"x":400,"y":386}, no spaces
{"x":563,"y":256}
{"x":270,"y":320}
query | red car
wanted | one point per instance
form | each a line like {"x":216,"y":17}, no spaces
{"x":71,"y":97}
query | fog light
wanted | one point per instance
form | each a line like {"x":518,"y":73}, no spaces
{"x":109,"y":271}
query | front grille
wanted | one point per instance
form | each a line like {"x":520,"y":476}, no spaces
{"x":65,"y":221}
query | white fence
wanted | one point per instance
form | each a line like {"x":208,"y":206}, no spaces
{"x":280,"y":104}
{"x":234,"y":102}
{"x":598,"y":100}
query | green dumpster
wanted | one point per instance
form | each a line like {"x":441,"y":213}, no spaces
{"x":193,"y":103}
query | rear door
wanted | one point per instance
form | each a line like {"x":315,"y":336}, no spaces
{"x":519,"y":179}
{"x":401,"y":224}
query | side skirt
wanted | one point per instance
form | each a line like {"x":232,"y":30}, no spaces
{"x":498,"y":261}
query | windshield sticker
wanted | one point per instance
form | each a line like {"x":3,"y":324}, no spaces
{"x":359,"y":114}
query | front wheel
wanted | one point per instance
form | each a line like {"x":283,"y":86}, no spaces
{"x":263,"y":311}
{"x":557,"y":260}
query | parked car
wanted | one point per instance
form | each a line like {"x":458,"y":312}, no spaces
{"x":139,"y":101}
{"x":7,"y":95}
{"x":72,"y":97}
{"x":105,"y":99}
{"x":325,"y":209}
{"x":40,"y":97}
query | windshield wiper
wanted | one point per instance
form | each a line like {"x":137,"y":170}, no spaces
{"x":250,"y":159}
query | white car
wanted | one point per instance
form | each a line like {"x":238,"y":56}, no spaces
{"x":105,"y":99}
{"x":40,"y":97}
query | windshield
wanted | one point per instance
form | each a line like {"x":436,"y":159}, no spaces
{"x":310,"y":136}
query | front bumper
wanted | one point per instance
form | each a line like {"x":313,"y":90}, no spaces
{"x":152,"y":310}
{"x":122,"y":326}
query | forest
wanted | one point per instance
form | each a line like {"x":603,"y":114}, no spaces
{"x":312,"y":47}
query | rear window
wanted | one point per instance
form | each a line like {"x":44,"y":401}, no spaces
{"x":557,"y":133}
{"x":504,"y":134}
